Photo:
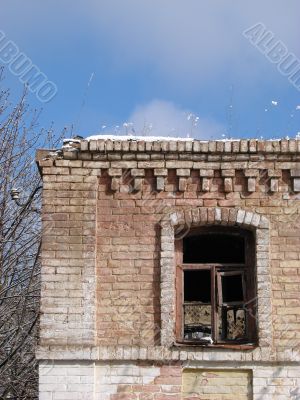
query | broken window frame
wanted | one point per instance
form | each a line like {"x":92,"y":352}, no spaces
{"x":217,"y":270}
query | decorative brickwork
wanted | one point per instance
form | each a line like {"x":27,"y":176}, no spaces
{"x":110,"y":209}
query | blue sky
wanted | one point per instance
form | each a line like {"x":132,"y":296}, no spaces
{"x":153,"y":63}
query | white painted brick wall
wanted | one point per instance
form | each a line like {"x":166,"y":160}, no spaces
{"x":81,"y":380}
{"x":66,"y":381}
{"x":109,"y":377}
{"x":277,"y":383}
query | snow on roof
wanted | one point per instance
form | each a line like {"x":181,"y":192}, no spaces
{"x":143,"y":138}
{"x":77,"y":139}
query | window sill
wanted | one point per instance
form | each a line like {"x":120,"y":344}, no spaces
{"x":248,"y":346}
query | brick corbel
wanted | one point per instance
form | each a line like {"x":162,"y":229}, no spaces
{"x":160,"y":174}
{"x":274,"y":176}
{"x":115,"y":174}
{"x":228,"y":175}
{"x":138,"y":178}
{"x":251,"y":175}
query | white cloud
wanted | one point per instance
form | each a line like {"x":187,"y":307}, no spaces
{"x":192,"y":42}
{"x":186,"y":43}
{"x":163,"y":118}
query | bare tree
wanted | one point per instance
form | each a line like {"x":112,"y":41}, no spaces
{"x":19,"y":246}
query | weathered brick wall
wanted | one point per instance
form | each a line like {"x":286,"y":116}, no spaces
{"x":104,"y":203}
{"x":137,"y":381}
{"x":68,"y":253}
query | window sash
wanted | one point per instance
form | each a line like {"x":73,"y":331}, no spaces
{"x":216,"y":298}
{"x":181,"y":303}
{"x":221,"y":301}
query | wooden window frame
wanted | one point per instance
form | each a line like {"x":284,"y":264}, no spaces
{"x":217,"y":270}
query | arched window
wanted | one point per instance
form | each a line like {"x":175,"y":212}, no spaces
{"x":215,"y":287}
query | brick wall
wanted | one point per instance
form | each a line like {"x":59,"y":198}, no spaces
{"x":105,"y":204}
{"x":71,"y":380}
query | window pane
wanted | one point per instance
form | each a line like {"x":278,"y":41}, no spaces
{"x":197,"y":322}
{"x":197,"y":305}
{"x":214,"y":248}
{"x":232,"y":323}
{"x":197,"y":286}
{"x":232,"y":288}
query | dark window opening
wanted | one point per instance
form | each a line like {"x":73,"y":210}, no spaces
{"x":214,"y":248}
{"x":197,"y":286}
{"x":232,"y":288}
{"x":214,"y":302}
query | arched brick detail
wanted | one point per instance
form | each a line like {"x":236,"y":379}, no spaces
{"x":181,"y":222}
